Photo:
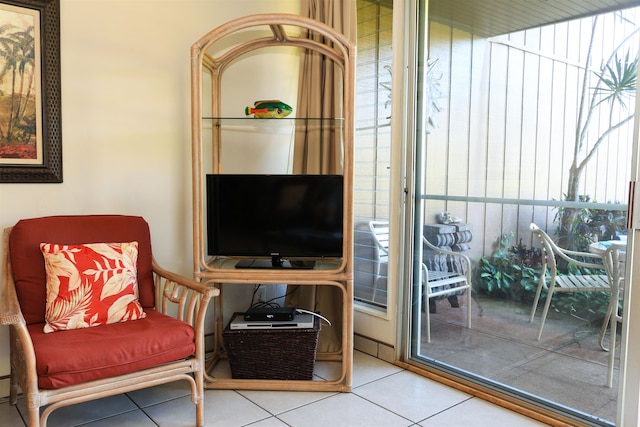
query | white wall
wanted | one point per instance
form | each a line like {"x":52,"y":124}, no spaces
{"x":126,"y":118}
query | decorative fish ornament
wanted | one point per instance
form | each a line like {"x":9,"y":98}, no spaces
{"x":272,"y":109}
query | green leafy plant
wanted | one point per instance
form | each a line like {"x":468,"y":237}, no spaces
{"x":588,"y":225}
{"x":511,"y":272}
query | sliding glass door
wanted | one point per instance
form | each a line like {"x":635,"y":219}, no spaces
{"x":521,"y":121}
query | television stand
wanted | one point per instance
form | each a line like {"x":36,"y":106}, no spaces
{"x":275,"y":263}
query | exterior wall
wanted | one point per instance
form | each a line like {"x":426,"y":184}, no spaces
{"x":507,"y":125}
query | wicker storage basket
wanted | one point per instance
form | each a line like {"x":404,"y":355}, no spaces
{"x":274,"y":354}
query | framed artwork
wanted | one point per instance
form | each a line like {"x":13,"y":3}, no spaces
{"x":30,"y":105}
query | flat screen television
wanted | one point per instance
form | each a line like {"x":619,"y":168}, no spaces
{"x":275,"y":221}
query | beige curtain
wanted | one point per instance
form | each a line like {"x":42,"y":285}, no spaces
{"x":318,"y":149}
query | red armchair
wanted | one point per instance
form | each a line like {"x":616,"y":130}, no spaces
{"x":66,"y":367}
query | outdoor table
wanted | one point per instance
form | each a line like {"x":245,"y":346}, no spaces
{"x":599,"y":248}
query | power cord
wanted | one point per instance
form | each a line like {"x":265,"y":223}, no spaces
{"x":301,"y":310}
{"x":271,"y":304}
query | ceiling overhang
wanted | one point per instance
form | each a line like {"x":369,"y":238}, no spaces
{"x":487,"y":18}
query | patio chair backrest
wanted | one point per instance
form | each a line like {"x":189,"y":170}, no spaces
{"x":550,"y":250}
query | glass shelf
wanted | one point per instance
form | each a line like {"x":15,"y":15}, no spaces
{"x":286,"y":124}
{"x":284,"y":119}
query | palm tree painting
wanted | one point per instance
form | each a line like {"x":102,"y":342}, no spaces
{"x":20,"y":142}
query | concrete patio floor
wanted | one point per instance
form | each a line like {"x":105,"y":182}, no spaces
{"x":567,"y":366}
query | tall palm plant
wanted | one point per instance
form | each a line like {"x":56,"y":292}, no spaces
{"x":615,"y":85}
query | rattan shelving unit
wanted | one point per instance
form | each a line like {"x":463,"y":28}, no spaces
{"x":239,"y":39}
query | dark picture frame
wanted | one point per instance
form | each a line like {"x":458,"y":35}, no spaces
{"x":49,"y":167}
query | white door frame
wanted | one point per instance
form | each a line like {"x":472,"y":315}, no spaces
{"x":386,"y":326}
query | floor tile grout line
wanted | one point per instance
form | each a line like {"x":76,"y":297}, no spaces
{"x":291,"y":409}
{"x":141,"y":408}
{"x":385,"y":408}
{"x":149,"y":416}
{"x":352,"y":392}
{"x":379,"y":378}
{"x":17,"y":408}
{"x":388,"y":409}
{"x":446,"y":409}
{"x":265,"y":419}
{"x":136,"y":408}
{"x":24,"y":421}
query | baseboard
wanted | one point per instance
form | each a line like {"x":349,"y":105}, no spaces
{"x":4,"y":387}
{"x":374,"y":348}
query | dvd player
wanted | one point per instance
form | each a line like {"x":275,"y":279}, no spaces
{"x":301,"y":321}
{"x":268,"y":314}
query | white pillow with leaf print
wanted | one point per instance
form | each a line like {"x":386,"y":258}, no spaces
{"x":90,"y":285}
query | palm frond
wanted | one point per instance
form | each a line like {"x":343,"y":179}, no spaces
{"x":618,"y":80}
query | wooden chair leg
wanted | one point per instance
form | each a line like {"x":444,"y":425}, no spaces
{"x":199,"y":399}
{"x":13,"y":389}
{"x":34,"y":417}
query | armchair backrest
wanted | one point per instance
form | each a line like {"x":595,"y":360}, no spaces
{"x":27,"y":262}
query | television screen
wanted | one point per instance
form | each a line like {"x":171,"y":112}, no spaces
{"x":274,"y":216}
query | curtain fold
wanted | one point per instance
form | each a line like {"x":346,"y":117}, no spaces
{"x":317,"y":148}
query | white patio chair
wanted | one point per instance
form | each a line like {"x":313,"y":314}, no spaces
{"x":554,"y":282}
{"x":380,"y":233}
{"x":614,"y":262}
{"x":435,"y":283}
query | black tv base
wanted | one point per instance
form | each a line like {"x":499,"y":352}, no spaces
{"x":275,"y":263}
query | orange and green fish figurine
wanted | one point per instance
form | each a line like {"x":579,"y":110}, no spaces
{"x":271,"y":109}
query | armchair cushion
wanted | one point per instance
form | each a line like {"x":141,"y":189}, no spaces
{"x":27,"y":261}
{"x":71,"y":357}
{"x":90,"y":285}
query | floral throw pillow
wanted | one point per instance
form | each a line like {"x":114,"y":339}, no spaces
{"x":90,"y":285}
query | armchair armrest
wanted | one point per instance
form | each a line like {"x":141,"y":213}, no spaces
{"x":10,"y":313}
{"x":184,"y":281}
{"x":190,"y":296}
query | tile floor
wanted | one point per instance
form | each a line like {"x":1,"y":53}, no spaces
{"x":383,"y":395}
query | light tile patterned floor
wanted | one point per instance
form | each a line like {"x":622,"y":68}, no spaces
{"x":382,"y":395}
